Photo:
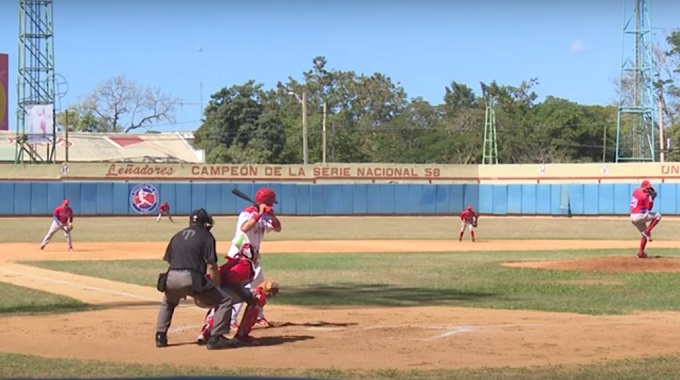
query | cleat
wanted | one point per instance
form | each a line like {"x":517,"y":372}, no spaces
{"x":642,"y":255}
{"x":263,"y":323}
{"x":70,"y":249}
{"x":202,"y":340}
{"x":246,"y":340}
{"x":219,"y":343}
{"x":647,"y":235}
{"x":42,"y":247}
{"x":161,"y":340}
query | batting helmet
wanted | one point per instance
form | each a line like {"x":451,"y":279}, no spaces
{"x":266,"y":196}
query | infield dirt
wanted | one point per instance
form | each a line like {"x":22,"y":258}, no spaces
{"x":342,"y":338}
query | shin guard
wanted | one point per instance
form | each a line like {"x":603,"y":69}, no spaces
{"x":208,"y":324}
{"x":251,"y":314}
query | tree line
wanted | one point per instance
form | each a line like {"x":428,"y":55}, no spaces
{"x":369,"y":118}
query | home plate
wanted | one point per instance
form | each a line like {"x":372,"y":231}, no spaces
{"x":325,"y":328}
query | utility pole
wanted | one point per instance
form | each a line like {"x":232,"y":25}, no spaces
{"x":604,"y":144}
{"x":662,"y":154}
{"x":305,"y":156}
{"x":323,"y":135}
{"x":68,"y":126}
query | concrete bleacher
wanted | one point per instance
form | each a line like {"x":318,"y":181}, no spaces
{"x":113,"y":147}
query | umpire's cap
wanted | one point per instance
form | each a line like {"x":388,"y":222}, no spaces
{"x":202,"y":218}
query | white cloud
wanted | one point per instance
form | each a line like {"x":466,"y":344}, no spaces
{"x":577,"y":46}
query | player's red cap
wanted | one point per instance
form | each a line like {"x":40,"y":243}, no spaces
{"x":469,"y":207}
{"x":646,"y":184}
{"x":65,"y":202}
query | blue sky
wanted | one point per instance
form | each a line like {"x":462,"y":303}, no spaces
{"x":573,"y":47}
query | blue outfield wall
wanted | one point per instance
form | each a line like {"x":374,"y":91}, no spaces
{"x":113,"y":198}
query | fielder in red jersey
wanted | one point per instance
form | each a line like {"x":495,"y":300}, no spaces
{"x":235,"y":274}
{"x":164,"y":210}
{"x":62,"y":219}
{"x":641,"y":204}
{"x":467,"y":219}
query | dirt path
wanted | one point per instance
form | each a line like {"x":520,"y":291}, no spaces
{"x":406,"y":338}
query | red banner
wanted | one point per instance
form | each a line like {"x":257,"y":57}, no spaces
{"x":4,"y":98}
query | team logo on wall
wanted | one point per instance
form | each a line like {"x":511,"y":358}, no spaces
{"x":144,"y":198}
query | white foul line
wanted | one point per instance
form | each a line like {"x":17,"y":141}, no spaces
{"x":93,"y":288}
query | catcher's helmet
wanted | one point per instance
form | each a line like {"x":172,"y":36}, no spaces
{"x":266,"y":196}
{"x":201,"y":218}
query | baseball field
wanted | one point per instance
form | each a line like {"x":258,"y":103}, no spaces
{"x":361,"y":298}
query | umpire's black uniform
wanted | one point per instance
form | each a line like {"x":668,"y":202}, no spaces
{"x":189,"y":254}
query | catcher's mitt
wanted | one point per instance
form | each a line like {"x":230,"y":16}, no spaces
{"x":270,"y":288}
{"x":652,"y":192}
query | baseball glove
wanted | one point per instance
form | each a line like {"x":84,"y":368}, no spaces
{"x":652,"y":192}
{"x":270,"y":288}
{"x":474,"y":223}
{"x":68,"y":227}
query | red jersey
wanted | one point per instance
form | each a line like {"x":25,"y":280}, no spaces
{"x":640,"y":202}
{"x":237,"y":270}
{"x":63,"y":214}
{"x":165,"y":206}
{"x":468,"y":215}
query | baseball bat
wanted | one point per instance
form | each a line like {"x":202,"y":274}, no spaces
{"x":242,"y":195}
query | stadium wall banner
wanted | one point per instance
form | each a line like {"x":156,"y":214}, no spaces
{"x":350,"y":173}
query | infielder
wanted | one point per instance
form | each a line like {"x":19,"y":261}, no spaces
{"x":164,"y":210}
{"x":62,"y":219}
{"x":468,"y":219}
{"x":253,"y":222}
{"x":641,"y":204}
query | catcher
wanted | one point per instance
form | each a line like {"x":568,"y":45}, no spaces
{"x":62,"y":219}
{"x":235,"y":274}
{"x":641,"y":204}
{"x":468,"y":218}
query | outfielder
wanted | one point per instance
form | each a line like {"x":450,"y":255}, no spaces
{"x":253,"y":222}
{"x":235,"y":275}
{"x":468,"y":218}
{"x":641,"y":204}
{"x":62,"y":219}
{"x":164,"y":210}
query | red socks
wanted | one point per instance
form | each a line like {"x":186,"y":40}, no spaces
{"x":472,"y":233}
{"x":643,"y":244}
{"x":652,"y":224}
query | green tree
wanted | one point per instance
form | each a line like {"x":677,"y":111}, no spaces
{"x":238,"y":128}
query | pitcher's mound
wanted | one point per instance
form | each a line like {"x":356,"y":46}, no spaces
{"x":606,"y":264}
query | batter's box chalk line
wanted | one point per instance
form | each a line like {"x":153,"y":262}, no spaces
{"x":448,"y":330}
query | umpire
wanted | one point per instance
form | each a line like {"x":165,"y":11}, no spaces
{"x":191,"y":254}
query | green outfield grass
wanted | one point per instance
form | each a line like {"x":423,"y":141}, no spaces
{"x":417,"y":279}
{"x":25,"y":366}
{"x":17,"y":300}
{"x":343,"y":228}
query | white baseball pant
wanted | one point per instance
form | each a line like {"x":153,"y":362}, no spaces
{"x":466,"y":223}
{"x":54,"y":227}
{"x":640,"y":220}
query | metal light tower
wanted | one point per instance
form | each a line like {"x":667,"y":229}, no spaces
{"x":36,"y":81}
{"x":490,"y":154}
{"x":635,"y":122}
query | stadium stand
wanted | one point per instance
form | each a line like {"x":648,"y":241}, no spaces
{"x":174,"y":147}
